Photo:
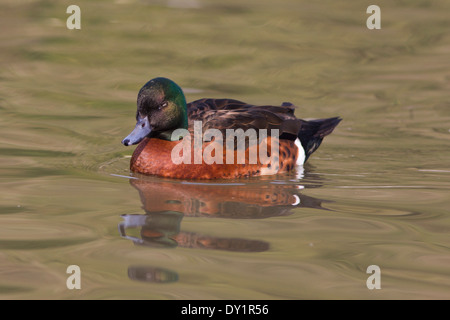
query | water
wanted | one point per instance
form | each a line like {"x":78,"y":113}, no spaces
{"x":375,"y":193}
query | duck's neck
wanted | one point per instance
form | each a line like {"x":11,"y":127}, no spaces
{"x":182,"y":123}
{"x":166,"y":135}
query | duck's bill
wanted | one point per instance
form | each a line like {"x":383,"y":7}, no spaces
{"x":141,"y":130}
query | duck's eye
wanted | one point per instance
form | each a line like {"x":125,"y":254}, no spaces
{"x":143,"y":125}
{"x":163,"y":105}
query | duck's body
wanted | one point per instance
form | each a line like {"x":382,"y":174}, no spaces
{"x":154,"y":157}
{"x":162,"y":109}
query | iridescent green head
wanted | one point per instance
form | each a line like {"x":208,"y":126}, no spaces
{"x":161,"y":108}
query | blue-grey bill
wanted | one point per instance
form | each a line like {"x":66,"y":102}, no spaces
{"x":141,"y":130}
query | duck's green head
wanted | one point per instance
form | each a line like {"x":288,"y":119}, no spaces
{"x":161,"y":108}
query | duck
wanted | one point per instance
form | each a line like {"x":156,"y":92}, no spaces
{"x":183,"y":140}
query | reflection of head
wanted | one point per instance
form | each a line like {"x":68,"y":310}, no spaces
{"x":162,"y":229}
{"x":156,"y":229}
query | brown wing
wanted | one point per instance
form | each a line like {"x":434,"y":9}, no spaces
{"x":225,"y":114}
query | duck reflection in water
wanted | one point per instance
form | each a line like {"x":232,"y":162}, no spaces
{"x":166,"y":202}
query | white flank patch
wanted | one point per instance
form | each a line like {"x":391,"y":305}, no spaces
{"x":301,"y":153}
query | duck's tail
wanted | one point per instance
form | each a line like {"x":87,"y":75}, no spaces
{"x":312,"y":133}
